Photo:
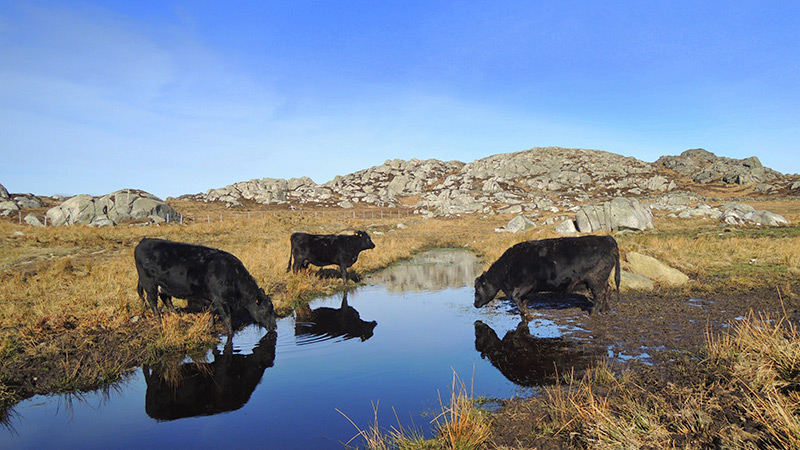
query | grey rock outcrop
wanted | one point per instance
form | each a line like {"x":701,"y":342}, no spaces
{"x":566,"y":227}
{"x":548,"y":179}
{"x":703,"y":166}
{"x":33,"y":220}
{"x":735,"y":213}
{"x":111,"y":209}
{"x":517,"y":225}
{"x":617,"y":214}
{"x":6,"y":207}
{"x":16,"y":202}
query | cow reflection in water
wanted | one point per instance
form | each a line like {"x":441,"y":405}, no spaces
{"x":525,"y":359}
{"x":204,"y":389}
{"x":332,"y":322}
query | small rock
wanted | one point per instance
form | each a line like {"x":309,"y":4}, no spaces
{"x":634,"y":281}
{"x":566,"y":227}
{"x":655,"y":269}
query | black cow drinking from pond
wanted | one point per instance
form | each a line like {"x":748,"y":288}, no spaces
{"x":527,"y":360}
{"x":552,"y":265}
{"x":324,"y":249}
{"x":200,"y":274}
{"x":203,"y":389}
{"x":331,"y":322}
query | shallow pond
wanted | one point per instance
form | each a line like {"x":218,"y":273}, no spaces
{"x":394,"y":343}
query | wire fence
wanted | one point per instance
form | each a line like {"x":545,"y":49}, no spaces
{"x":371,"y":214}
{"x":364,"y":214}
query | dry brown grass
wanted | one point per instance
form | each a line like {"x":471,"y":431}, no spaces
{"x":62,"y":287}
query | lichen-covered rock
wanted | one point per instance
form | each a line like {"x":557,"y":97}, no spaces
{"x":735,"y":213}
{"x":519,"y":224}
{"x":704,"y":167}
{"x":655,"y":269}
{"x":566,"y":227}
{"x":617,"y":214}
{"x":33,"y":220}
{"x":119,"y":206}
{"x":634,"y":281}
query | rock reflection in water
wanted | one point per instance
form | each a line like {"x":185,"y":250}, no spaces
{"x":527,"y":360}
{"x":203,"y":389}
{"x":332,"y":322}
{"x":432,"y":271}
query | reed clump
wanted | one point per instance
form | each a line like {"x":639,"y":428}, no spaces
{"x":459,"y":425}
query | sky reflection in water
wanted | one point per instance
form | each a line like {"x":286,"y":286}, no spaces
{"x":395,"y":344}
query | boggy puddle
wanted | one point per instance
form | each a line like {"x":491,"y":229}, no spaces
{"x":393,"y":344}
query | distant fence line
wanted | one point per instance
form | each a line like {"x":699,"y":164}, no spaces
{"x":342,"y":214}
{"x":381,"y":213}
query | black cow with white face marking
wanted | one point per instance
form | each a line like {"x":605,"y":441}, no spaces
{"x":324,"y":249}
{"x":200,"y":274}
{"x":552,"y":265}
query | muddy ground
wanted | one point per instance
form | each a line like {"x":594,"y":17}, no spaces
{"x":660,"y":337}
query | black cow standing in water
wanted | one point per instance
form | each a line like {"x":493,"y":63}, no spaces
{"x":324,"y":249}
{"x":203,"y":389}
{"x":200,"y":274}
{"x":344,"y":321}
{"x":552,"y":265}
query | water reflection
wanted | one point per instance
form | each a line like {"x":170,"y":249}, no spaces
{"x":203,"y":389}
{"x":432,"y":271}
{"x":527,"y":360}
{"x":332,"y":322}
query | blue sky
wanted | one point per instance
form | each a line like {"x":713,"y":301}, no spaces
{"x":177,"y":97}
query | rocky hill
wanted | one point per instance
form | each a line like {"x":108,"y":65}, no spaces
{"x":549,"y":178}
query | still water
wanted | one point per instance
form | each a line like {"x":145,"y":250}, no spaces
{"x":393,"y":344}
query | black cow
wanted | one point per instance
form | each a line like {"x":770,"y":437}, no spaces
{"x":203,"y":389}
{"x":200,"y":274}
{"x":324,"y":249}
{"x":551,"y":265}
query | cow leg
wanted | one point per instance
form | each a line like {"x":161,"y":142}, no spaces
{"x":167,"y":301}
{"x":599,"y":297}
{"x":224,"y":311}
{"x":522,"y":306}
{"x":343,"y":270}
{"x":140,"y":291}
{"x":152,"y":300}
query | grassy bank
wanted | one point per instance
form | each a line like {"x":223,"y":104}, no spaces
{"x":72,"y":320}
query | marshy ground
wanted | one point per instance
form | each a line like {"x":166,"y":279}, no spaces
{"x":72,"y":320}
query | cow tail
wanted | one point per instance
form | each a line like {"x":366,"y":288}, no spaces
{"x":617,"y":270}
{"x":290,"y":261}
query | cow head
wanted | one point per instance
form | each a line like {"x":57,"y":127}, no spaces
{"x":364,"y":239}
{"x":262,"y":310}
{"x":484,"y":291}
